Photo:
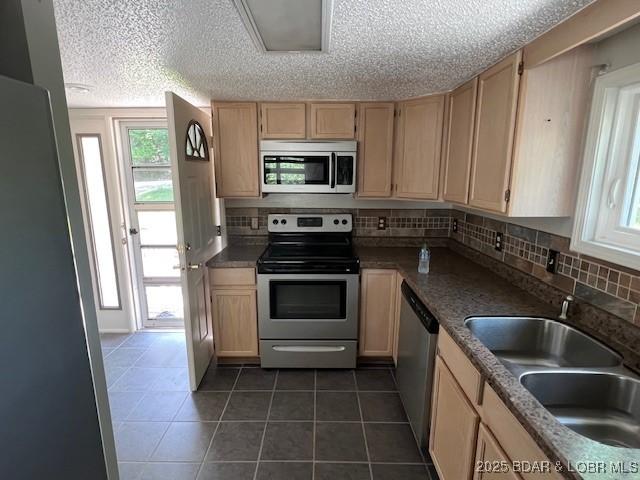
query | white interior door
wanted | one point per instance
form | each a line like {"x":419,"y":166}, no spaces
{"x":192,"y":167}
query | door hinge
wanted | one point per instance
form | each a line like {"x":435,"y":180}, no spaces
{"x":211,"y":141}
{"x":260,"y":127}
{"x":520,"y":68}
{"x":507,"y":195}
{"x":219,"y":230}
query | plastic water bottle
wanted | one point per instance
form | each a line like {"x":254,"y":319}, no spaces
{"x":423,"y":259}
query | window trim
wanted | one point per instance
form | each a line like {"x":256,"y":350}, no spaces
{"x":602,"y":136}
{"x":85,"y":193}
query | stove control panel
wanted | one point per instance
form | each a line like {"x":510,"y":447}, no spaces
{"x":333,"y":222}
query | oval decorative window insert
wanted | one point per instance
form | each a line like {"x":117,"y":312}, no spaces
{"x":196,"y":143}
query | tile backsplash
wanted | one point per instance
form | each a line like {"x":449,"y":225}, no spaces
{"x":417,"y":223}
{"x":613,"y":288}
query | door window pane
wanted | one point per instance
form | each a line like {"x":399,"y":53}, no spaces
{"x":152,"y":185}
{"x":308,"y":300}
{"x":149,"y":147}
{"x":164,"y":301}
{"x":97,"y":203}
{"x":157,"y":227}
{"x":159,"y":262}
{"x":296,"y":170}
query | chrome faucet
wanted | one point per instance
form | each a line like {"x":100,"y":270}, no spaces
{"x":565,"y":307}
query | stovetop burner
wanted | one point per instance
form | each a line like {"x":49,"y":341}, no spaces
{"x":296,"y":247}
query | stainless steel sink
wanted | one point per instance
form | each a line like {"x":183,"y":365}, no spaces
{"x":602,"y":406}
{"x":540,"y":342}
{"x":578,"y":379}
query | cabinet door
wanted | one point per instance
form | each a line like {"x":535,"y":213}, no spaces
{"x":396,"y":328}
{"x":235,"y":322}
{"x":459,"y":142}
{"x":283,"y":120}
{"x":375,"y":156}
{"x":235,"y":136}
{"x":333,"y":120}
{"x":419,"y":147}
{"x":377,"y":312}
{"x":494,"y":131}
{"x":491,"y":462}
{"x":454,"y":426}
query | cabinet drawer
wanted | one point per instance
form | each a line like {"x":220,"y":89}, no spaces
{"x":221,"y":277}
{"x":511,"y":435}
{"x":460,"y":366}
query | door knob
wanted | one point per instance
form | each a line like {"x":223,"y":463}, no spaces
{"x":194,"y":266}
{"x":133,"y":231}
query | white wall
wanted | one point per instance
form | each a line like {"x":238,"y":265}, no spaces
{"x":619,"y":50}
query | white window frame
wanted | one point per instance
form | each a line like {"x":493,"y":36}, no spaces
{"x":612,"y":151}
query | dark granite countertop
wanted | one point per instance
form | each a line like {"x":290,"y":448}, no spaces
{"x":237,"y":256}
{"x":455,"y":289}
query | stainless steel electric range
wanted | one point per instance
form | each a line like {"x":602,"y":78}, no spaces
{"x":308,"y":287}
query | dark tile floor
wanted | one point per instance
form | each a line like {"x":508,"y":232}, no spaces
{"x":253,"y":424}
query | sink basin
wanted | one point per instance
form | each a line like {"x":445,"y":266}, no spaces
{"x":540,"y":342}
{"x":602,"y":406}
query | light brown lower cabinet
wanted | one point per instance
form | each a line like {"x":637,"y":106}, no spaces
{"x":377,"y":312}
{"x":396,"y":329}
{"x":454,"y":424}
{"x":235,"y":315}
{"x":235,"y":326}
{"x":473,"y":433}
{"x":491,"y":462}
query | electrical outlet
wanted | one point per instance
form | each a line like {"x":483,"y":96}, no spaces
{"x":498,"y":245}
{"x":454,"y":226}
{"x":382,"y":223}
{"x":254,"y":223}
{"x":552,"y":261}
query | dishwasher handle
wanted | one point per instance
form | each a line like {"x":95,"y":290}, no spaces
{"x":427,"y":319}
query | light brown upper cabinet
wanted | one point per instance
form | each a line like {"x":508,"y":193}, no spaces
{"x":418,"y":147}
{"x":283,"y":120}
{"x":553,"y":105}
{"x":375,"y":155}
{"x":235,"y":138}
{"x":494,"y":130}
{"x":459,"y":142}
{"x":332,"y":120}
{"x":528,"y":135}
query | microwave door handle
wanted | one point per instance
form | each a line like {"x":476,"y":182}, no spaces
{"x":332,"y":170}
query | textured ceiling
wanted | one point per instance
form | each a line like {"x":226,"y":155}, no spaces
{"x":132,"y":51}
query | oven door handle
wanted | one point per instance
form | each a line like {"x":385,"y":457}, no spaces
{"x":332,"y":170}
{"x":309,"y":348}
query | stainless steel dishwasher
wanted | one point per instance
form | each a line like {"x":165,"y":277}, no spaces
{"x":417,"y":340}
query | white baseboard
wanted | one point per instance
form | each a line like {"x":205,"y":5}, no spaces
{"x":115,"y":330}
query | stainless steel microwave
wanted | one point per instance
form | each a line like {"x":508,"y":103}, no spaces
{"x":308,"y":167}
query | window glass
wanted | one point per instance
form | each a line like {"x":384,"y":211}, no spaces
{"x":149,"y":147}
{"x":160,"y":262}
{"x":152,"y":185}
{"x":164,"y":301}
{"x":157,"y":227}
{"x":97,"y":203}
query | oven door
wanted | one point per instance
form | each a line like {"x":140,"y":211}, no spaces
{"x":308,"y":306}
{"x":308,"y":172}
